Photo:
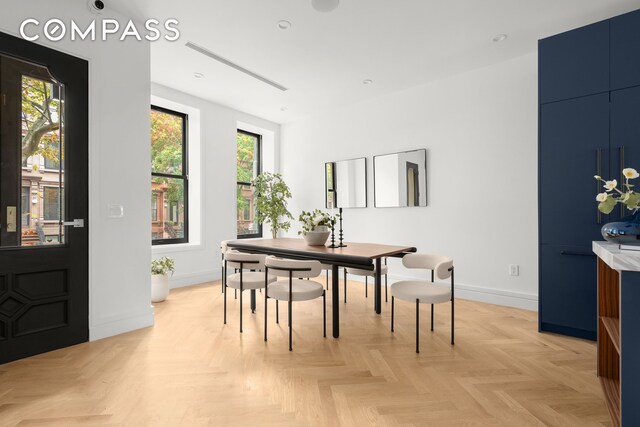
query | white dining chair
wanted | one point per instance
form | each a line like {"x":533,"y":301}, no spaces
{"x":244,"y":280}
{"x":384,"y":270}
{"x":424,"y":291}
{"x":291,"y":287}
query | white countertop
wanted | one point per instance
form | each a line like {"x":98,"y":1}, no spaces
{"x":615,"y":258}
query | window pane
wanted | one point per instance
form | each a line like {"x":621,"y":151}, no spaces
{"x":246,"y":211}
{"x":247,"y":145}
{"x":167,"y":208}
{"x":166,"y":142}
{"x":42,"y":157}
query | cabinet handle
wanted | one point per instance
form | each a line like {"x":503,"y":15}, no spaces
{"x":599,"y":173}
{"x":622,"y":161}
{"x":577,"y":253}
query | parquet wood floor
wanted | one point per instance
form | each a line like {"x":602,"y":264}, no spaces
{"x":190,"y":370}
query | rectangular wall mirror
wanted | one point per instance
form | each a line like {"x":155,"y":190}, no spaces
{"x":400,"y":179}
{"x":346,"y":184}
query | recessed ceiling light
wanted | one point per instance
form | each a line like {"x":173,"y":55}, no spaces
{"x":500,"y":38}
{"x":367,"y":81}
{"x":283,"y":108}
{"x":324,"y":5}
{"x":284,"y":25}
{"x":198,"y":75}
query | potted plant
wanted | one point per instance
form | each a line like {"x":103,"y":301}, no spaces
{"x":160,"y":269}
{"x":626,"y":230}
{"x":315,"y":226}
{"x":271,"y":201}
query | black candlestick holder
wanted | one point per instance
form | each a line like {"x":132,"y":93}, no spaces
{"x":340,"y":244}
{"x":333,"y":236}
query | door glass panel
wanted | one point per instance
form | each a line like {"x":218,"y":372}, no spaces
{"x":32,"y":154}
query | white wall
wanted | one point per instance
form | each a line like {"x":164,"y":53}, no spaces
{"x":480,"y":132}
{"x":200,"y":261}
{"x":119,"y":163}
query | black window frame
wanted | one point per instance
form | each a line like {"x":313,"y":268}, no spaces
{"x":258,"y":156}
{"x":184,"y":176}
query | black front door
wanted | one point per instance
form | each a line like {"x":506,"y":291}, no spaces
{"x":43,"y":189}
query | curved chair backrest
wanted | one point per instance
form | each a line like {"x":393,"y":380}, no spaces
{"x":223,"y":246}
{"x":441,"y":265}
{"x":250,"y":261}
{"x":301,"y":269}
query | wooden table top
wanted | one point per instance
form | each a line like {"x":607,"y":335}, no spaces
{"x":354,"y":253}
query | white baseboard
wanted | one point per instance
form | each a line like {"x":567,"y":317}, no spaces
{"x":476,"y":293}
{"x":122,"y":325}
{"x":189,"y":279}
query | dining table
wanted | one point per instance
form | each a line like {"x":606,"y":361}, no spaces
{"x":365,"y":256}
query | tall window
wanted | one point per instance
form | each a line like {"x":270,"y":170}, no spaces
{"x":169,"y":177}
{"x":51,"y":203}
{"x":248,"y":167}
{"x":25,"y":206}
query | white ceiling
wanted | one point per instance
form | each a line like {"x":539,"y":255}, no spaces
{"x":324,"y":57}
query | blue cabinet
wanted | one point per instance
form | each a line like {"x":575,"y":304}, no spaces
{"x":625,"y":132}
{"x":568,"y":301}
{"x":625,"y":50}
{"x":575,"y":63}
{"x":574,"y":146}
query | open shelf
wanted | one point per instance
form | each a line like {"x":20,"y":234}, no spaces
{"x":612,"y":326}
{"x":611,"y":389}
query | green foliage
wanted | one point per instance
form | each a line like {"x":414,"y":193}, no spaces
{"x":166,"y":153}
{"x":271,"y":201}
{"x":40,"y":120}
{"x":612,"y":195}
{"x":244,"y":170}
{"x":162,"y":266}
{"x":311,"y":220}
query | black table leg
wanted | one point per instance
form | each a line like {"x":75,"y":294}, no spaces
{"x":335,"y":300}
{"x":378,"y":286}
{"x":253,"y":300}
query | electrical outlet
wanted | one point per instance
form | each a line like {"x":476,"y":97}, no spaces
{"x":514,"y":270}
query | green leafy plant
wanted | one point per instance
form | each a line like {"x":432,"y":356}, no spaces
{"x":162,"y":266}
{"x":613,"y":195}
{"x":311,"y":220}
{"x":271,"y":201}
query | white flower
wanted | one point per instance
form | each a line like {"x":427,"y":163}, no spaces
{"x":610,"y":185}
{"x":597,"y":176}
{"x":630,"y":173}
{"x":602,"y":197}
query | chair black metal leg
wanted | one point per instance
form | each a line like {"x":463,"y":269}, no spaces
{"x":431,"y":317}
{"x":392,"y":312}
{"x":366,"y":287}
{"x":241,"y":306}
{"x":223,"y":281}
{"x":277,"y":320}
{"x":253,"y":301}
{"x":386,"y":299}
{"x":417,"y":326}
{"x":327,"y":279}
{"x":324,"y":314}
{"x":235,"y":294}
{"x":290,"y":326}
{"x":265,"y":315}
{"x":345,"y":285}
{"x":225,"y":304}
{"x":452,"y":321}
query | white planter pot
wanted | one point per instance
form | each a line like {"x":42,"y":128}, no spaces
{"x":159,"y":287}
{"x":317,"y":237}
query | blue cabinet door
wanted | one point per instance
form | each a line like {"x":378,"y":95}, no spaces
{"x":568,"y":290}
{"x":575,"y":63}
{"x":625,"y":132}
{"x":574,"y":146}
{"x":625,"y":50}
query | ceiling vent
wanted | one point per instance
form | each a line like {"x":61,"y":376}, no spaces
{"x":235,"y":66}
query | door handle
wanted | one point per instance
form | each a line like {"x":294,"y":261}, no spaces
{"x":76,"y":223}
{"x":11,"y":219}
{"x":576,"y":253}
{"x":622,"y":161}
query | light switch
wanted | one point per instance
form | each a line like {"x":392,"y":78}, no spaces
{"x":115,"y":211}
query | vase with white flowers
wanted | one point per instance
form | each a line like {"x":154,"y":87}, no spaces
{"x":315,"y":226}
{"x":160,"y":269}
{"x":626,"y":230}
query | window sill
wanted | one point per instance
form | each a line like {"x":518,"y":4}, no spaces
{"x":177,"y":247}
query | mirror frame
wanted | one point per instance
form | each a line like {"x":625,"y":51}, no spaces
{"x":426,"y":181}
